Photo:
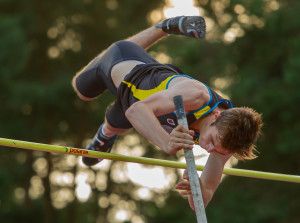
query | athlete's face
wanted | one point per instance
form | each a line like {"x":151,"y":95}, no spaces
{"x":209,"y":140}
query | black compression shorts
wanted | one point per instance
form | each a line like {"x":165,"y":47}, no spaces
{"x":96,"y":77}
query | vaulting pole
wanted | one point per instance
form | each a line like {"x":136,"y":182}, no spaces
{"x":191,"y":166}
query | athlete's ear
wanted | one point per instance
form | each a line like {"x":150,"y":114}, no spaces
{"x":216,"y":114}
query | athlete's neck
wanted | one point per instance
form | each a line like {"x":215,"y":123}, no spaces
{"x":206,"y":120}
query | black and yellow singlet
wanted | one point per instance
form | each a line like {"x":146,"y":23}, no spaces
{"x":147,"y":79}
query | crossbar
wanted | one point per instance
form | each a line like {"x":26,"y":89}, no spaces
{"x":143,"y":160}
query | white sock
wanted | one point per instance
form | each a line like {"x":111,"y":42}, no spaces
{"x":104,"y":134}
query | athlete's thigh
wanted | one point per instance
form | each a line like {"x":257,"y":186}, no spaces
{"x":120,"y":70}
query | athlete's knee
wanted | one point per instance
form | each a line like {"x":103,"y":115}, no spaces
{"x":115,"y":116}
{"x":77,"y":91}
{"x":111,"y":129}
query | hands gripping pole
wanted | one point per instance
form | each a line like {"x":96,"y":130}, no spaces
{"x":191,"y":166}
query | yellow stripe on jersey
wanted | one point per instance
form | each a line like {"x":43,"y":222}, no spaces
{"x":142,"y":94}
{"x":198,"y":114}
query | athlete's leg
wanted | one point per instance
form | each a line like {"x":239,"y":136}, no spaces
{"x":95,"y":78}
{"x":121,"y":53}
{"x":115,"y":123}
{"x":144,"y":39}
{"x":115,"y":120}
{"x":148,"y":37}
{"x":193,"y":26}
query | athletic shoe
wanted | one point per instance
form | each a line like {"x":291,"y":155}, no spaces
{"x":100,"y":143}
{"x":191,"y":26}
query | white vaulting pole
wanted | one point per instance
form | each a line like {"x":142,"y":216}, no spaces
{"x":191,"y":166}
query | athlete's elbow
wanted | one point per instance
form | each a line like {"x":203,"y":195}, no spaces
{"x":136,"y":110}
{"x":205,"y":94}
{"x":202,"y":97}
{"x":132,"y":110}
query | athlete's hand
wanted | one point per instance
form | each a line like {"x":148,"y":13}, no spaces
{"x":180,"y":138}
{"x":185,"y":189}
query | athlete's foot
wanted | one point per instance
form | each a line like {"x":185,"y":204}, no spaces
{"x":99,"y":143}
{"x":192,"y":26}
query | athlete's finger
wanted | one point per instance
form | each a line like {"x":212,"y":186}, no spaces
{"x":181,"y":128}
{"x":184,"y":185}
{"x":185,"y":175}
{"x":181,"y":135}
{"x":185,"y":193}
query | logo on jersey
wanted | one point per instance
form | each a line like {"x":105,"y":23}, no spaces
{"x":170,"y":121}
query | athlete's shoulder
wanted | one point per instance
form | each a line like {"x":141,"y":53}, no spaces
{"x":187,"y":83}
{"x":195,"y":94}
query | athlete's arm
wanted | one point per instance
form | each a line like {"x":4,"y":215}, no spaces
{"x":209,"y":180}
{"x":142,"y":114}
{"x":211,"y":176}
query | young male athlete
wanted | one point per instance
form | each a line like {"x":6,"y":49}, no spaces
{"x":144,"y":89}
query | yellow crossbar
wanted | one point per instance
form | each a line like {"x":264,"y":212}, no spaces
{"x":143,"y":160}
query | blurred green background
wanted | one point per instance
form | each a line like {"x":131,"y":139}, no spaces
{"x":251,"y":54}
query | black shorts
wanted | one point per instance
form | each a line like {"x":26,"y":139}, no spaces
{"x":96,"y":76}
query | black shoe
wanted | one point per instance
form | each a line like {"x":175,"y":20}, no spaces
{"x":99,"y":143}
{"x":192,"y":26}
